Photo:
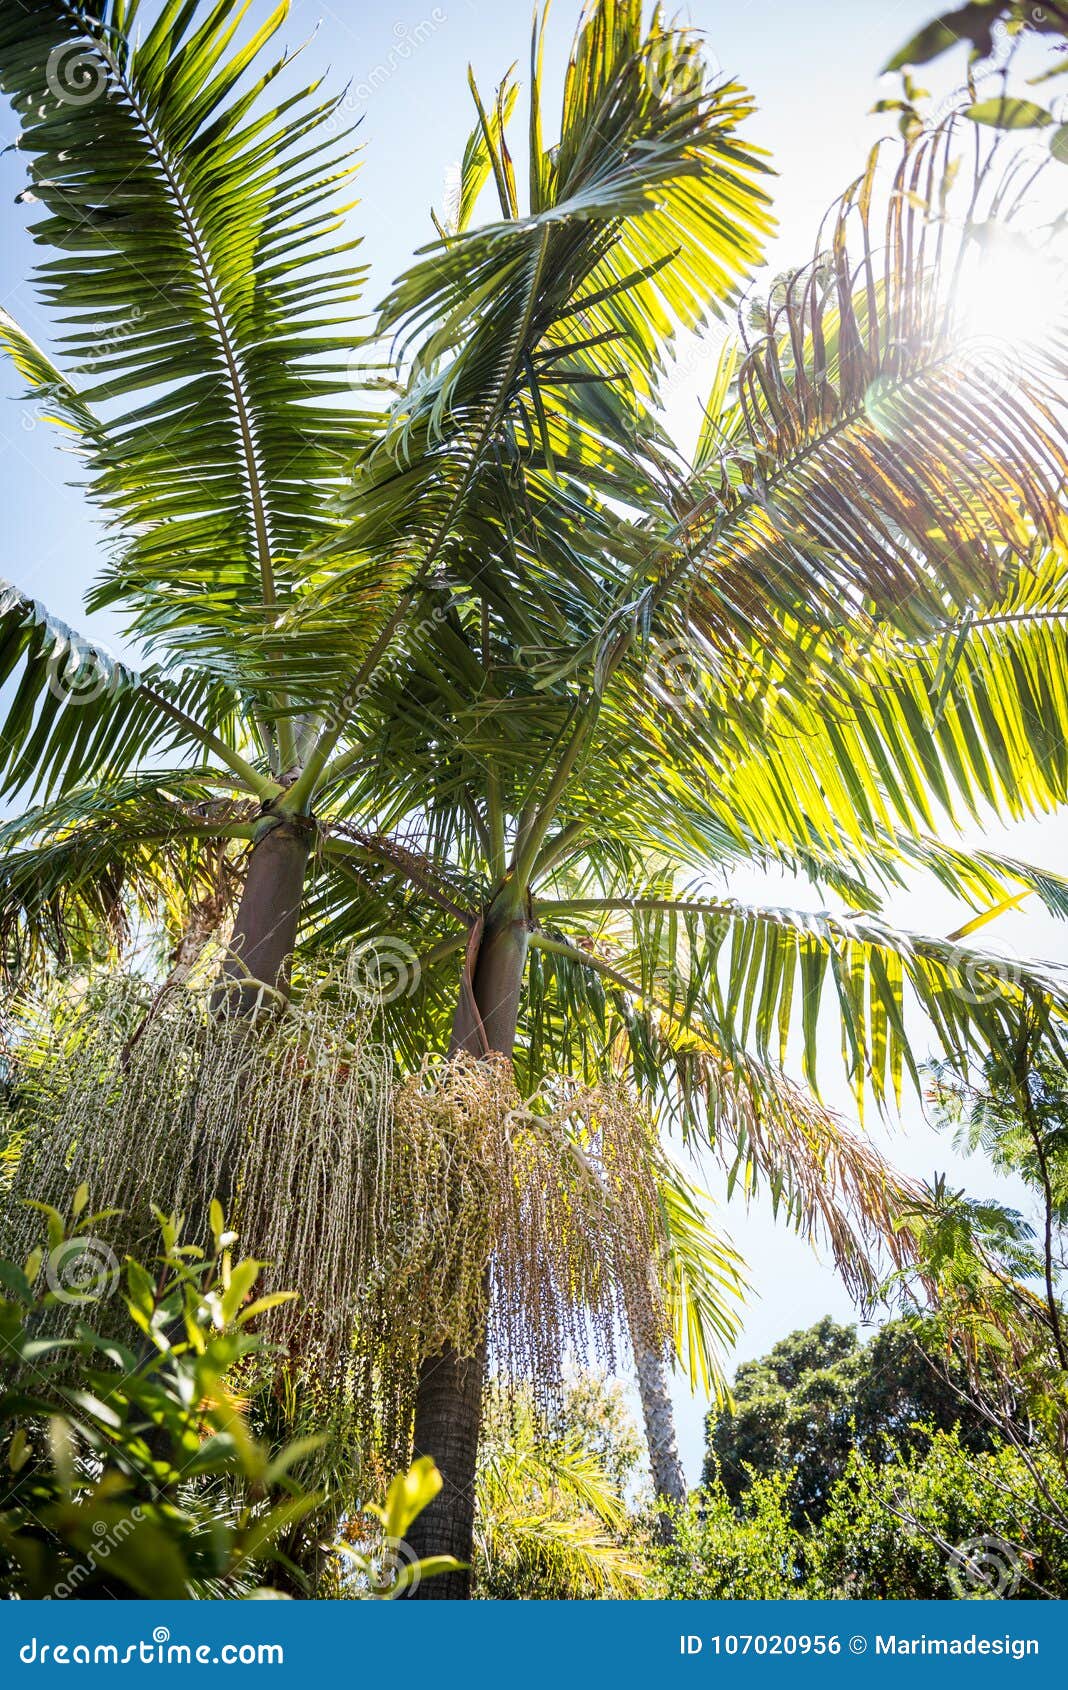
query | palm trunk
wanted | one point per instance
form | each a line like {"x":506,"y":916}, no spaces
{"x":261,"y":953}
{"x":448,"y":1405}
{"x":265,"y":930}
{"x":669,"y":1481}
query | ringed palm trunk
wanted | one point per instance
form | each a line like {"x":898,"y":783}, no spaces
{"x":448,"y":1405}
{"x":669,"y":1481}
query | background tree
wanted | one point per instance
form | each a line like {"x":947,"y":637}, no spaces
{"x":943,"y":1523}
{"x":1015,"y":1109}
{"x":818,"y":1396}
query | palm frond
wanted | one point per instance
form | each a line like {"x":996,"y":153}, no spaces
{"x":761,"y":976}
{"x":770,"y":1133}
{"x":871,"y":471}
{"x":205,"y":311}
{"x":78,"y":715}
{"x":704,"y":1284}
{"x":534,"y":342}
{"x":549,"y":1517}
{"x":77,"y":875}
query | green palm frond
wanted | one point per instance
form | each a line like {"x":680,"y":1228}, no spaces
{"x":77,"y":874}
{"x":855,"y":749}
{"x":549,"y":1517}
{"x":57,"y":399}
{"x":761,"y":976}
{"x":77,"y":714}
{"x":704,"y":1284}
{"x":196,"y":227}
{"x":872,"y":470}
{"x":533,"y":343}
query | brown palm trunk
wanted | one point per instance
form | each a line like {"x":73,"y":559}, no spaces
{"x":261,"y":953}
{"x":265,"y":929}
{"x":448,"y":1406}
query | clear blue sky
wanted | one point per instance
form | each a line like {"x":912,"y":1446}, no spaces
{"x":813,"y":70}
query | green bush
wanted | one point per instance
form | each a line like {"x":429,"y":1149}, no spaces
{"x":128,"y":1466}
{"x":945,"y":1523}
{"x":950,"y":1524}
{"x":749,"y":1552}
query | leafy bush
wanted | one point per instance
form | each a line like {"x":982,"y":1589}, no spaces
{"x":947,"y":1522}
{"x":129,"y":1469}
{"x":754,"y":1552}
{"x":552,"y":1521}
{"x":952,"y":1523}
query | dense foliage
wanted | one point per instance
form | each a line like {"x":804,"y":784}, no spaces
{"x":946,"y":1523}
{"x":129,"y":1466}
{"x":801,"y":1412}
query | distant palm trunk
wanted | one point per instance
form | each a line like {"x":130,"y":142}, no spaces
{"x":669,"y":1481}
{"x":448,"y":1408}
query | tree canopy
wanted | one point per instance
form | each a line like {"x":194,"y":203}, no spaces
{"x":801,"y":1411}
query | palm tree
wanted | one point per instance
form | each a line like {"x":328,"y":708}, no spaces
{"x":551,"y":1520}
{"x":492,"y":677}
{"x":703,"y":1281}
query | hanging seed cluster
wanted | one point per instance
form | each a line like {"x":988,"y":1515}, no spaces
{"x":540,"y":1216}
{"x":161,"y":1102}
{"x":406,"y":1215}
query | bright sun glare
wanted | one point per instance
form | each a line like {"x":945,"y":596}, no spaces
{"x":1012,"y":293}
